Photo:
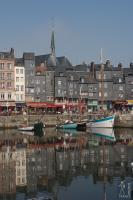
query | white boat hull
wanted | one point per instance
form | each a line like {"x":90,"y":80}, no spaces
{"x":107,"y":122}
{"x":28,"y":128}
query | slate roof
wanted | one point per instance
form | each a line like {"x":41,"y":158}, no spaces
{"x":7,"y":55}
{"x":82,"y":67}
{"x":61,"y":61}
{"x":28,"y":56}
{"x":128,"y":71}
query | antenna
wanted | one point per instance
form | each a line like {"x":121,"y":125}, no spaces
{"x":52,"y":23}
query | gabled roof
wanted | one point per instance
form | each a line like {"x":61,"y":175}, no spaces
{"x":28,"y":56}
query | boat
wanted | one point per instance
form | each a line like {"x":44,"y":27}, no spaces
{"x":106,"y":133}
{"x":36,"y":130}
{"x":68,"y":124}
{"x":26,"y":128}
{"x":105,"y":122}
{"x":81,"y":126}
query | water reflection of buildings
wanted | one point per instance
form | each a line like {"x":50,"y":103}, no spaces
{"x":7,"y":172}
{"x":40,"y":166}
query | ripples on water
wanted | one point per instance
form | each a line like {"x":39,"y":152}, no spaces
{"x":66,"y":166}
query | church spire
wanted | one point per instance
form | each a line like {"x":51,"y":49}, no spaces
{"x":52,"y":44}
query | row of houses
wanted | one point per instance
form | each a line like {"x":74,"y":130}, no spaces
{"x":47,"y":78}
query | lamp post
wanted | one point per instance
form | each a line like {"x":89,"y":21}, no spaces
{"x":7,"y":105}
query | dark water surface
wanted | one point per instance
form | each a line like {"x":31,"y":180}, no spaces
{"x":67,"y":166}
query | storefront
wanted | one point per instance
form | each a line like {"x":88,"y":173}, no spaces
{"x":43,"y":107}
{"x":92,"y":105}
{"x":7,"y":106}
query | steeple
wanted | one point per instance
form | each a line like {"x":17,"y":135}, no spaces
{"x":52,"y":44}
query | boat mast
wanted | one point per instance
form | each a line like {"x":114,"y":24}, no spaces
{"x":101,"y":79}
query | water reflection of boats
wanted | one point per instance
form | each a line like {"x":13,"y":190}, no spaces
{"x":71,"y":132}
{"x":107,"y":133}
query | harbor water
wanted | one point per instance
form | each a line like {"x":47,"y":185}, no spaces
{"x":70,"y":165}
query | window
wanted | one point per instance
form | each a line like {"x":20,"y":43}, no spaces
{"x":17,"y":79}
{"x":1,"y":66}
{"x":17,"y":71}
{"x":2,"y":76}
{"x":2,"y":96}
{"x":61,"y":73}
{"x":90,"y":88}
{"x":9,"y":96}
{"x":9,"y":84}
{"x":120,"y":87}
{"x":71,"y":78}
{"x":21,"y":71}
{"x":59,"y":83}
{"x":90,"y":94}
{"x":100,"y":94}
{"x":37,"y":81}
{"x":9,"y":75}
{"x":105,"y":94}
{"x":38,"y":89}
{"x":59,"y":92}
{"x":17,"y":87}
{"x":82,"y":80}
{"x":22,"y":88}
{"x":71,"y":85}
{"x":31,"y":90}
{"x":9,"y":66}
{"x":2,"y":85}
{"x":120,"y":80}
{"x":120,"y":95}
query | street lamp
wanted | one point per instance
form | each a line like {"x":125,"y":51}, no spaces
{"x":7,"y":105}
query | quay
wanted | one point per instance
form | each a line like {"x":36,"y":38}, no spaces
{"x":50,"y":120}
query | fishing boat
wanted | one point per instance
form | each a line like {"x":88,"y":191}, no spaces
{"x":105,"y":122}
{"x":68,"y":124}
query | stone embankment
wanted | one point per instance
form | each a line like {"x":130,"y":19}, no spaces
{"x":15,"y":121}
{"x":51,"y":120}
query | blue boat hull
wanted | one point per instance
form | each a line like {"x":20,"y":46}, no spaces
{"x":67,"y":126}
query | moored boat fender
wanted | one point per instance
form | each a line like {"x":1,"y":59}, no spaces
{"x":38,"y":129}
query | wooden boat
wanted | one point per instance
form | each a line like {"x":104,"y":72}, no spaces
{"x":105,"y":122}
{"x":68,"y":124}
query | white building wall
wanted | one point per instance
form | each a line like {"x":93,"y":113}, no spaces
{"x":19,"y":84}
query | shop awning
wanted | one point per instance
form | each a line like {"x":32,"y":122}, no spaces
{"x":121,"y":102}
{"x":130,"y":102}
{"x":42,"y":105}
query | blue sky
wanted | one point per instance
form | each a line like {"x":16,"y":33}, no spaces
{"x":82,"y":28}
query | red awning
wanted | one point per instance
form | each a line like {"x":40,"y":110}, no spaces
{"x":43,"y":105}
